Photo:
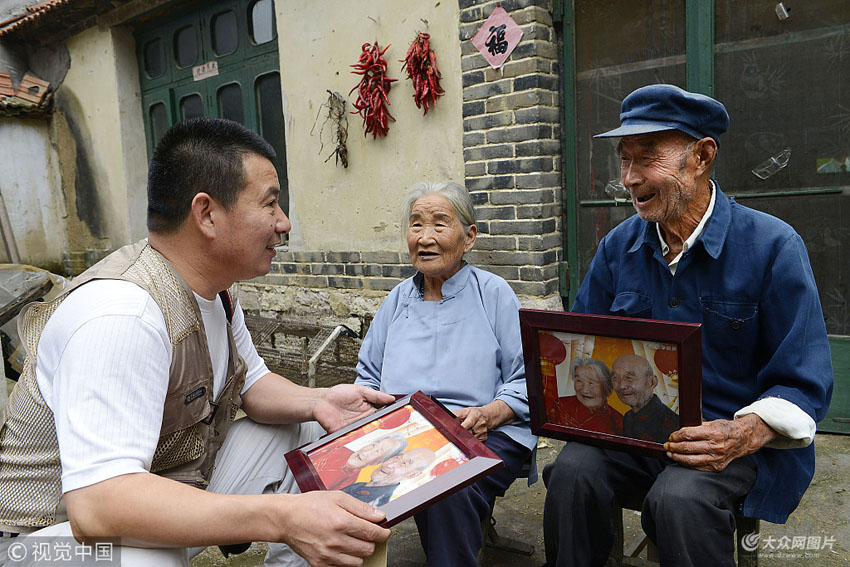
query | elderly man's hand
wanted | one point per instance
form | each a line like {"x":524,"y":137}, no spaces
{"x":714,"y":444}
{"x":346,"y":403}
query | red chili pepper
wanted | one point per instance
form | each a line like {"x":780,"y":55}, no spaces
{"x":373,"y":90}
{"x":421,"y":64}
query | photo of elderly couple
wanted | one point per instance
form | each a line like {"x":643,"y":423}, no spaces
{"x":610,"y":385}
{"x":386,"y":458}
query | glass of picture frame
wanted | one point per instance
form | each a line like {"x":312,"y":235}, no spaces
{"x":617,"y":382}
{"x":400,"y":459}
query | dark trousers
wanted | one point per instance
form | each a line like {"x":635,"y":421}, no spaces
{"x":688,"y":514}
{"x":450,"y":530}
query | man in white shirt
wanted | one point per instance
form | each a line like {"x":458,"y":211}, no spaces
{"x":109,"y":371}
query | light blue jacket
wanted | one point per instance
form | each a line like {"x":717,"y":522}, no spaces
{"x":465,"y":350}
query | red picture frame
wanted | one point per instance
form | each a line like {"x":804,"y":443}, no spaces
{"x":433,"y":422}
{"x":559,"y":348}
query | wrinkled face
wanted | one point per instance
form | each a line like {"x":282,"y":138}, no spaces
{"x":632,"y":381}
{"x":661,"y":180}
{"x":407,"y":465}
{"x":371,"y":453}
{"x":590,"y":390}
{"x":255,"y":224}
{"x":435,"y":237}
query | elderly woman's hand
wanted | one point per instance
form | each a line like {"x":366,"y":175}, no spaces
{"x":479,"y":420}
{"x":474,"y":421}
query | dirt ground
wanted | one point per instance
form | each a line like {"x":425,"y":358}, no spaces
{"x":822,"y":520}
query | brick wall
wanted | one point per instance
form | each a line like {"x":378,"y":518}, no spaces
{"x":512,"y":149}
{"x":379,"y":271}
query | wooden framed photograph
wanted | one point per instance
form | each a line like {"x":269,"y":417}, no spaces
{"x":400,"y":459}
{"x":617,"y":382}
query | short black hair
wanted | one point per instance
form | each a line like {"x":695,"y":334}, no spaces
{"x":199,"y":155}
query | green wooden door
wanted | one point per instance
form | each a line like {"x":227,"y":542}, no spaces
{"x":219,"y":60}
{"x":837,"y":419}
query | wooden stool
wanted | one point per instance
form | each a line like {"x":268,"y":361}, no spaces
{"x":630,"y":555}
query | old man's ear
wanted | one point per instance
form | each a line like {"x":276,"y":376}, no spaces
{"x":706,"y":151}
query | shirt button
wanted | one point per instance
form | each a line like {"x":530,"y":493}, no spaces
{"x":674,"y":302}
{"x":736,"y":325}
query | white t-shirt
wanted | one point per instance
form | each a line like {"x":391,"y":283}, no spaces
{"x":102,"y":368}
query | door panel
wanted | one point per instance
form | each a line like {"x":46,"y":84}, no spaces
{"x":239,"y":38}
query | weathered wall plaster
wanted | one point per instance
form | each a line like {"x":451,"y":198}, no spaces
{"x":133,"y":144}
{"x":50,"y":63}
{"x":35,"y":209}
{"x":102,"y":86}
{"x":337,"y":209}
{"x":13,"y":61}
{"x":65,"y":161}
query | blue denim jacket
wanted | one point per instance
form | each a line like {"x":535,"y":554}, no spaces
{"x":749,"y":283}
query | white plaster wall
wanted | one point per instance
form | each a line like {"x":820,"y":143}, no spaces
{"x":131,"y":123}
{"x":104,"y":80}
{"x":34,"y":207}
{"x":358,"y":208}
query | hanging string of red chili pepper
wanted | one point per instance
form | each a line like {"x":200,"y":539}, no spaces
{"x":421,"y":63}
{"x":372,"y":90}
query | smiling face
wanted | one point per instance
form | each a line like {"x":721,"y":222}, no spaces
{"x":372,"y":453}
{"x":255,"y":224}
{"x":633,"y":381}
{"x":436,"y":239}
{"x":409,"y":464}
{"x":589,"y":387}
{"x":661,"y":178}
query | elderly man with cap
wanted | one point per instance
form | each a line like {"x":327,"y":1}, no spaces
{"x":693,"y":254}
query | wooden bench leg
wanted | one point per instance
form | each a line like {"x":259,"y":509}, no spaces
{"x":615,"y":559}
{"x":748,"y":544}
{"x":745,"y":535}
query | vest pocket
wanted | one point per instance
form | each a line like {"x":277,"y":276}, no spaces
{"x":178,"y":448}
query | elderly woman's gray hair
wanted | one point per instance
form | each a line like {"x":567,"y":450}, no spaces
{"x":597,"y":366}
{"x":400,"y":445}
{"x":455,"y":193}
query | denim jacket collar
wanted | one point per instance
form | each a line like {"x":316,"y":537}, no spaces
{"x":712,"y":237}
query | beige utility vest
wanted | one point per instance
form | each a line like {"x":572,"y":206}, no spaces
{"x":193,"y":423}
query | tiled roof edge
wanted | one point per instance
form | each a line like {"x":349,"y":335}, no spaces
{"x":36,"y":12}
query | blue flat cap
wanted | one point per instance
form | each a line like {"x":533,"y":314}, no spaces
{"x":656,"y":108}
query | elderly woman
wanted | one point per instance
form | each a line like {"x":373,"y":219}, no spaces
{"x":452,"y":331}
{"x":589,"y":408}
